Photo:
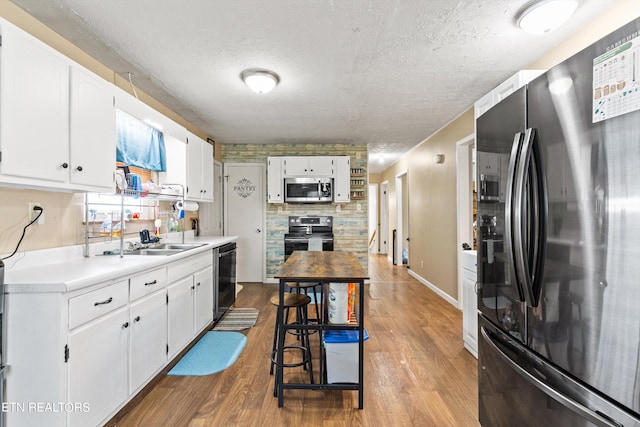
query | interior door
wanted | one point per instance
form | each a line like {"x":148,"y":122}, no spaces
{"x":244,"y":204}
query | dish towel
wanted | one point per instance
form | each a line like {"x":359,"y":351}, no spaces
{"x":315,"y":244}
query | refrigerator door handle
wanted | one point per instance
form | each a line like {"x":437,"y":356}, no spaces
{"x":510,"y":206}
{"x":530,"y":218}
{"x":566,"y":401}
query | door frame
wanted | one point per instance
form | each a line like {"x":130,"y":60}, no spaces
{"x":374,"y":210}
{"x":401,"y":206}
{"x":465,"y":171}
{"x":384,"y":217}
{"x":263,"y":220}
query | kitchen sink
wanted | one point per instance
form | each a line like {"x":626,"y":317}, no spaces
{"x":180,"y":246}
{"x":154,"y":251}
{"x":164,"y":249}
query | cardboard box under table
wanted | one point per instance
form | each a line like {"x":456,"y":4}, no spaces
{"x":341,"y":349}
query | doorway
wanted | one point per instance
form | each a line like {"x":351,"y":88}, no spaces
{"x":384,"y":218}
{"x":402,"y":220}
{"x":465,"y":181}
{"x":373,"y":218}
{"x":244,"y":216}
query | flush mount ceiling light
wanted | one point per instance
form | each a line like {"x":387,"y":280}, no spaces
{"x":542,"y":16}
{"x":259,"y":80}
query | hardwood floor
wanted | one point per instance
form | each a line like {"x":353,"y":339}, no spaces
{"x":417,"y":372}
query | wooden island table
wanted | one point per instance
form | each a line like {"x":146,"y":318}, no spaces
{"x":324,"y":268}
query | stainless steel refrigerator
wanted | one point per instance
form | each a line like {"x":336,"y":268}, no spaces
{"x":559,"y":250}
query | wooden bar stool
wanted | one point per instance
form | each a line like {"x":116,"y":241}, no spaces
{"x":300,"y":302}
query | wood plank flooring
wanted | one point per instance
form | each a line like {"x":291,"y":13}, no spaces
{"x":417,"y":372}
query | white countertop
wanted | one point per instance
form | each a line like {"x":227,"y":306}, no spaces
{"x":66,"y":269}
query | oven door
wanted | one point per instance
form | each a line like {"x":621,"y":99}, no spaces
{"x":302,"y":244}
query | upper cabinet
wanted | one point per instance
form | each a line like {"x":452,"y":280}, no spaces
{"x":199,"y":169}
{"x":93,"y":130}
{"x":336,"y":167}
{"x":275,"y":183}
{"x":54,"y":115}
{"x":308,"y":166}
{"x":504,"y":89}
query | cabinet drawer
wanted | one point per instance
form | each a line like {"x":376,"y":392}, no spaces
{"x":94,"y":304}
{"x":179,"y":269}
{"x":147,"y":283}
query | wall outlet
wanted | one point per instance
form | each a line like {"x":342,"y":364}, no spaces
{"x":34,"y":213}
{"x":358,"y":207}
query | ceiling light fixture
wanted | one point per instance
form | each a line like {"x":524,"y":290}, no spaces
{"x":260,"y":80}
{"x":542,"y":16}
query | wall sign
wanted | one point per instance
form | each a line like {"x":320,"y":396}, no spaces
{"x":244,"y":188}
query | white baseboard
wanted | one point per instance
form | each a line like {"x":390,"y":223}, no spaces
{"x":435,"y":289}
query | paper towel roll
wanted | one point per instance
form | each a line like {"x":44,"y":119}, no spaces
{"x":338,"y":303}
{"x":315,"y":244}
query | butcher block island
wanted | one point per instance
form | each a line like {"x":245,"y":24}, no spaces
{"x":85,"y":334}
{"x":324,"y":268}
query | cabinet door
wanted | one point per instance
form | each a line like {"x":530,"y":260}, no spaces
{"x":34,"y":109}
{"x":483,"y":104}
{"x":203,"y":298}
{"x":180,"y":312}
{"x":470,"y":312}
{"x":93,"y":131}
{"x":342,"y":182}
{"x":295,"y":166}
{"x":148,"y":349}
{"x":207,"y":172}
{"x":275,"y":182}
{"x":98,"y":367}
{"x":176,"y":151}
{"x":321,"y":166}
{"x":488,"y":163}
{"x":194,"y":168}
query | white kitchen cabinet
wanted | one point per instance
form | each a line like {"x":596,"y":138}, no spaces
{"x":93,"y":131}
{"x":203,"y":303}
{"x":275,"y":181}
{"x":176,"y":151}
{"x":148,"y":343}
{"x":308,"y":166}
{"x":342,"y":181}
{"x":180,"y":314}
{"x":503,"y":90}
{"x":470,"y":302}
{"x":488,"y":163}
{"x":99,"y":344}
{"x":199,"y":169}
{"x":98,"y":367}
{"x":58,"y":119}
{"x":34,"y":110}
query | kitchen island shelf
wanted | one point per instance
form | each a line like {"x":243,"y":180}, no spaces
{"x":324,"y":268}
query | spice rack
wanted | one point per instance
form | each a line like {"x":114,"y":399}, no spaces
{"x":358,"y":184}
{"x":111,"y":225}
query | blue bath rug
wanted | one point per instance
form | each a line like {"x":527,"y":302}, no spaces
{"x":214,"y":352}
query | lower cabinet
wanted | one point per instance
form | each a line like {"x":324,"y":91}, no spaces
{"x":92,"y":351}
{"x":98,"y":367}
{"x":470,"y":302}
{"x":203,"y":302}
{"x":148,"y":338}
{"x":180,"y":297}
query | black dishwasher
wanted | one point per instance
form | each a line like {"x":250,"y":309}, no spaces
{"x":226,"y":283}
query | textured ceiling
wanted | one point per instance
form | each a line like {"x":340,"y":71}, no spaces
{"x":387,"y":73}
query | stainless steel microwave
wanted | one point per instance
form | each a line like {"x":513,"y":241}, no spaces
{"x":489,"y":188}
{"x":308,"y":190}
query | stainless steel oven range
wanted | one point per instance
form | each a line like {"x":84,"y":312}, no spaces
{"x":308,"y":233}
